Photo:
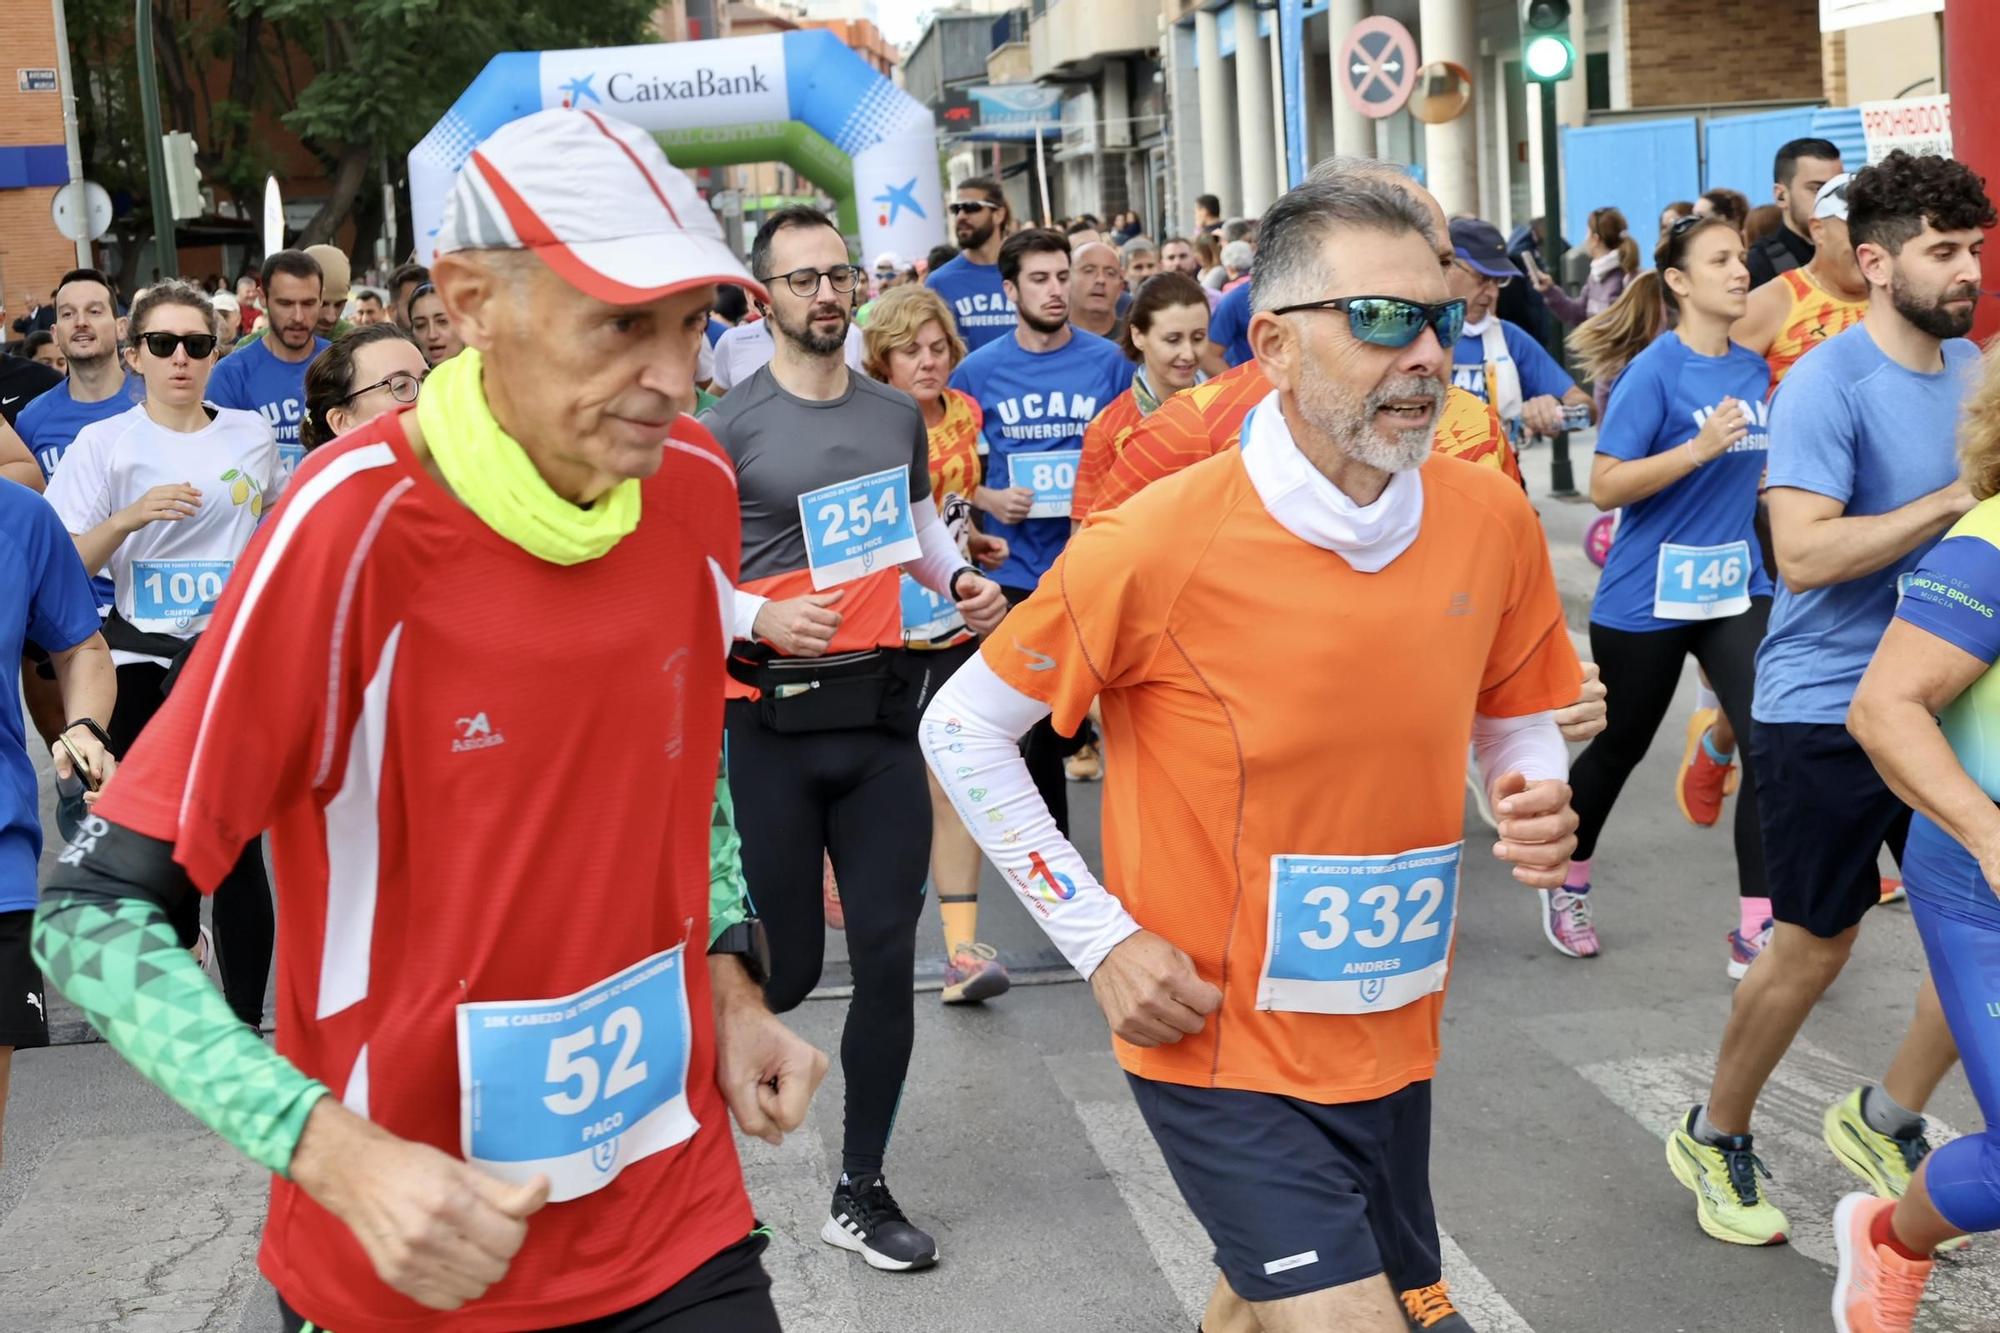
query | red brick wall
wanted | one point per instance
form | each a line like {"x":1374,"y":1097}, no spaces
{"x":1682,"y":51}
{"x":33,"y":254}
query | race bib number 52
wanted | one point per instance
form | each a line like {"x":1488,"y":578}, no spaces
{"x":580,"y":1087}
{"x":1359,"y":934}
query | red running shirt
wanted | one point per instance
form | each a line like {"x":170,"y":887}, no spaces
{"x":486,"y":777}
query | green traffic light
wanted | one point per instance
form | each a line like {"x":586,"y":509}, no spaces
{"x":1548,"y":58}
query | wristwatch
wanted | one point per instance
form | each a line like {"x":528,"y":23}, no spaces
{"x":956,"y":575}
{"x":747,"y":940}
{"x":103,"y":737}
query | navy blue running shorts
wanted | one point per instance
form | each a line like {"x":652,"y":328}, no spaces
{"x":1298,"y":1196}
{"x":1826,"y":815}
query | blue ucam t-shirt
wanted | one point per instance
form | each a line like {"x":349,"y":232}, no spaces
{"x":255,"y":380}
{"x":44,"y":596}
{"x":1852,"y":425}
{"x":1229,"y":325}
{"x":1033,"y":402}
{"x":978,"y":304}
{"x":1659,"y":404}
{"x":1540,"y":375}
{"x":49,"y":425}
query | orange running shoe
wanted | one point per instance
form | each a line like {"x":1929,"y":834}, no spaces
{"x":1430,"y":1310}
{"x":1701,"y":783}
{"x":1877,"y":1290}
{"x":1892,"y":891}
{"x":829,"y":892}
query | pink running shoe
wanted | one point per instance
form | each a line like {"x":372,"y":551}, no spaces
{"x":1566,"y":922}
{"x":1597,"y":539}
{"x":1743,"y":951}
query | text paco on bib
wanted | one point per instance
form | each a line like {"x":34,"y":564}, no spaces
{"x":1358,"y":934}
{"x":579,"y":1087}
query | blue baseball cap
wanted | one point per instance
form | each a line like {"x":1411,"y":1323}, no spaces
{"x":1481,"y":245}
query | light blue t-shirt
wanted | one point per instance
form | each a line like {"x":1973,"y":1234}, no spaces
{"x":257,"y":381}
{"x":1850,"y":424}
{"x":978,"y":303}
{"x":1229,"y":325}
{"x":50,"y":424}
{"x":44,"y":596}
{"x":1540,"y":375}
{"x":1032,"y":402}
{"x":1659,"y":404}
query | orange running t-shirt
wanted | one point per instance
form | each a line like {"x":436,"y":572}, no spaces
{"x":1196,"y":423}
{"x":1261,"y":698}
{"x":1103,"y":440}
{"x":1816,"y":315}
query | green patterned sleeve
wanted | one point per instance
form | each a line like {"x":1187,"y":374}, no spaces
{"x":728,"y":894}
{"x":116,"y":958}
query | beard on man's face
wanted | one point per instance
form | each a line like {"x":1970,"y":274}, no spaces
{"x":806,"y":334}
{"x":1929,"y":313}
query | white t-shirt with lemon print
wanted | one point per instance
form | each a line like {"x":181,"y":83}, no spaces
{"x":169,"y":574}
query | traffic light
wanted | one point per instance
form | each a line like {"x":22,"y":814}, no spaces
{"x":1547,"y":55}
{"x":183,"y":175}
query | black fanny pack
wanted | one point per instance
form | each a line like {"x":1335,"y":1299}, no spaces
{"x":126,"y":637}
{"x":882,"y":687}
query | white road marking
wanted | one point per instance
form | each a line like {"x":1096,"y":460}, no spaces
{"x":1807,"y":1180}
{"x":1181,"y":1248}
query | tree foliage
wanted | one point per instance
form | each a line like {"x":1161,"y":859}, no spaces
{"x":357,"y":81}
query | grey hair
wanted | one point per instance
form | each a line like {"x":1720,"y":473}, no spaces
{"x":1138,"y":245}
{"x":1290,"y":265}
{"x":1238,"y":229}
{"x":1237,"y":256}
{"x":1342,"y":165}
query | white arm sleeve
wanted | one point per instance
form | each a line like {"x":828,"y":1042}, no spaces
{"x":940,"y":559}
{"x":743,"y":614}
{"x":971,"y":739}
{"x":1531,"y":745}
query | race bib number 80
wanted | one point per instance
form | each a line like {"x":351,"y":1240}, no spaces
{"x":577,"y":1088}
{"x":1359,"y":934}
{"x":1051,"y":475}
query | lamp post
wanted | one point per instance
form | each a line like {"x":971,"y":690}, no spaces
{"x":156,"y":158}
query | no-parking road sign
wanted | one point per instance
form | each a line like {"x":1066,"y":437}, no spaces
{"x":1378,"y":65}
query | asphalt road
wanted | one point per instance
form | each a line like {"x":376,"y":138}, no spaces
{"x":1018,"y":1145}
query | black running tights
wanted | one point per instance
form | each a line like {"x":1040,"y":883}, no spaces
{"x":861,"y":796}
{"x":1641,"y":671}
{"x":246,"y":925}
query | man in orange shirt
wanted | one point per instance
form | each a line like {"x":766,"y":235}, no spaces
{"x":1207,"y":418}
{"x":1273,"y":948}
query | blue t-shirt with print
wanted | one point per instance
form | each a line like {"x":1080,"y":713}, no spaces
{"x":1540,"y":375}
{"x":978,"y":304}
{"x":44,"y":596}
{"x":255,"y":380}
{"x":50,"y":424}
{"x":1032,"y":402}
{"x":1229,"y":325}
{"x":1852,"y":425}
{"x":1660,"y":403}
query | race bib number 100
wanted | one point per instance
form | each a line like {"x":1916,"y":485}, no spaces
{"x":577,"y":1088}
{"x":1359,"y":934}
{"x":173,"y":594}
{"x":857,"y":527}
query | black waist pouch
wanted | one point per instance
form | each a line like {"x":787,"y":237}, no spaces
{"x":884,"y":688}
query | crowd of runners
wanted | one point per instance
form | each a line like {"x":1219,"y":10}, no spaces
{"x":847,"y":575}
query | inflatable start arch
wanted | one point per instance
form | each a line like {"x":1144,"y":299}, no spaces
{"x":802,"y":98}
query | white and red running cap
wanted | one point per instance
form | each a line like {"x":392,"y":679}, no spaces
{"x":595,"y":199}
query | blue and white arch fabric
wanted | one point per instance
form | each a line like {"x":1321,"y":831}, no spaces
{"x":808,"y":76}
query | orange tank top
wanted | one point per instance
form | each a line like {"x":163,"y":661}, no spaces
{"x":1815,"y":316}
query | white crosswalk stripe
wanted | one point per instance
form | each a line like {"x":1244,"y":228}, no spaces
{"x":1807,"y":1181}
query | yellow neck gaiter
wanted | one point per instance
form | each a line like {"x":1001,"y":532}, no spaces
{"x":494,"y":477}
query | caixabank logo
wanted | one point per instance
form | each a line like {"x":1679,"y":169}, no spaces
{"x":623,"y":87}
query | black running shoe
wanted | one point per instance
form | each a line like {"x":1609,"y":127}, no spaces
{"x":867,"y":1221}
{"x":1429,"y":1310}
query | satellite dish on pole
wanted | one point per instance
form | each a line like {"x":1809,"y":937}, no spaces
{"x":274,"y":217}
{"x":81,"y":210}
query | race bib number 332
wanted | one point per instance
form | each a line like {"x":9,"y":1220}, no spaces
{"x":1359,"y":934}
{"x":580,"y":1087}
